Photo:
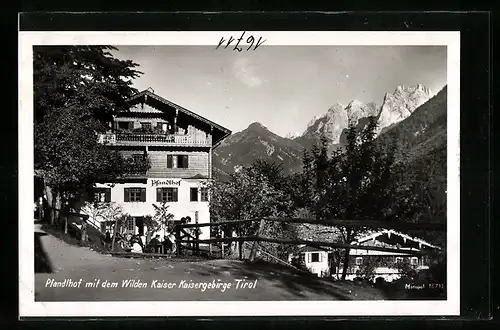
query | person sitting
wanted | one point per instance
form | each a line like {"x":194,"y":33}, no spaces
{"x":167,"y":246}
{"x":136,"y":247}
{"x":154,"y":243}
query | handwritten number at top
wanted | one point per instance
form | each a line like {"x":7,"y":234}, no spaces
{"x":251,"y":41}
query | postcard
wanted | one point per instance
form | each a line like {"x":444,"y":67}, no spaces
{"x":239,"y":173}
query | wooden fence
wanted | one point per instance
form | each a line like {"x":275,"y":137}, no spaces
{"x":184,"y":237}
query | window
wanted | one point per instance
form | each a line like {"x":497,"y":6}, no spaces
{"x":170,"y":161}
{"x":125,"y":125}
{"x":135,"y":194}
{"x":414,"y":261}
{"x":359,"y":261}
{"x":193,"y":195}
{"x":146,"y":125}
{"x":315,"y":257}
{"x":138,"y":157}
{"x":166,"y":195}
{"x":102,"y":195}
{"x":161,"y":126}
{"x":130,"y":224}
{"x":399,"y":259}
{"x":204,"y":194}
{"x":182,"y":161}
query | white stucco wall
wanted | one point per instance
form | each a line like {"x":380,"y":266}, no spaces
{"x":317,"y":267}
{"x":182,"y":208}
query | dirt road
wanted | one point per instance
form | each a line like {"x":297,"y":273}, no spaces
{"x":90,"y":276}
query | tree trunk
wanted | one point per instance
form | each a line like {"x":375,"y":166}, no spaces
{"x":50,"y":204}
{"x":259,"y":231}
{"x":57,"y":208}
{"x":345,"y":262}
{"x":66,"y":224}
{"x":84,"y":232}
{"x":115,"y":231}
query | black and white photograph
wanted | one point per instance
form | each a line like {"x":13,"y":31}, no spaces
{"x":251,"y":173}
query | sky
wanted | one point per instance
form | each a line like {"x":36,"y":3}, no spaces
{"x":282,"y":87}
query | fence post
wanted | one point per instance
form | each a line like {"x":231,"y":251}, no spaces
{"x":253,"y":252}
{"x":197,"y":235}
{"x":222,"y":244}
{"x":178,"y":239}
{"x":66,"y":224}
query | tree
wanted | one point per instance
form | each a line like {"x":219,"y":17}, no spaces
{"x":162,"y":219}
{"x":353,"y":183}
{"x":103,"y":212}
{"x":77,"y":90}
{"x":255,"y":192}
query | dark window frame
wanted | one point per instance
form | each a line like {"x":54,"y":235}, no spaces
{"x":193,"y":194}
{"x":170,"y":161}
{"x":204,"y":194}
{"x":138,"y":157}
{"x":138,"y":193}
{"x":124,"y":124}
{"x":167,"y":195}
{"x":146,"y":125}
{"x":97,"y":193}
{"x":182,"y":161}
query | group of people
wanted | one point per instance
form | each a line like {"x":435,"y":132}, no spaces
{"x":168,"y":243}
{"x":137,"y":244}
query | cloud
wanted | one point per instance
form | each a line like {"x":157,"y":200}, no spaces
{"x":246,"y":73}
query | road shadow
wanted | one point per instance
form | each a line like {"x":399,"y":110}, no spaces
{"x":295,"y":282}
{"x":42,"y":260}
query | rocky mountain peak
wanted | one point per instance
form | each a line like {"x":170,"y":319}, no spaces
{"x":401,"y":103}
{"x":292,"y":135}
{"x":256,"y":126}
{"x":357,"y":110}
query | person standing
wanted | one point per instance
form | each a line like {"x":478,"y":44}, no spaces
{"x":171,"y":239}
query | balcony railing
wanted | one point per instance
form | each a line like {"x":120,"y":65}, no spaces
{"x":152,"y":139}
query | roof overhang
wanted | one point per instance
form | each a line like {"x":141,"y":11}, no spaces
{"x":219,"y":133}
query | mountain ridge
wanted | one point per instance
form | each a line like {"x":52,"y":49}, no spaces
{"x":258,"y":142}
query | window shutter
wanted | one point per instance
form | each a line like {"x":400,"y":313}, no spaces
{"x":158,"y":195}
{"x":126,"y":195}
{"x":320,"y":256}
{"x":169,"y":161}
{"x":175,"y":195}
{"x":107,"y":196}
{"x":185,"y":161}
{"x":143,"y":194}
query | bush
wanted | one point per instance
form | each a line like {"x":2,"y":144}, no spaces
{"x":299,"y":263}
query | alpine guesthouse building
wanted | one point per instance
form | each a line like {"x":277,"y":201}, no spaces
{"x":179,"y":145}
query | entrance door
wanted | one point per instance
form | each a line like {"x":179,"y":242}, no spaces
{"x":139,"y":222}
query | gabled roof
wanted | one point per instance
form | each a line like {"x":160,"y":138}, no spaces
{"x":393,"y":232}
{"x":307,"y":248}
{"x":224,"y":132}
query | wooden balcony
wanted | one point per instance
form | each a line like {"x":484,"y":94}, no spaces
{"x":141,"y":139}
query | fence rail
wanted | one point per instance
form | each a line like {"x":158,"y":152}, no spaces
{"x":318,"y":244}
{"x":196,"y":241}
{"x":332,"y":223}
